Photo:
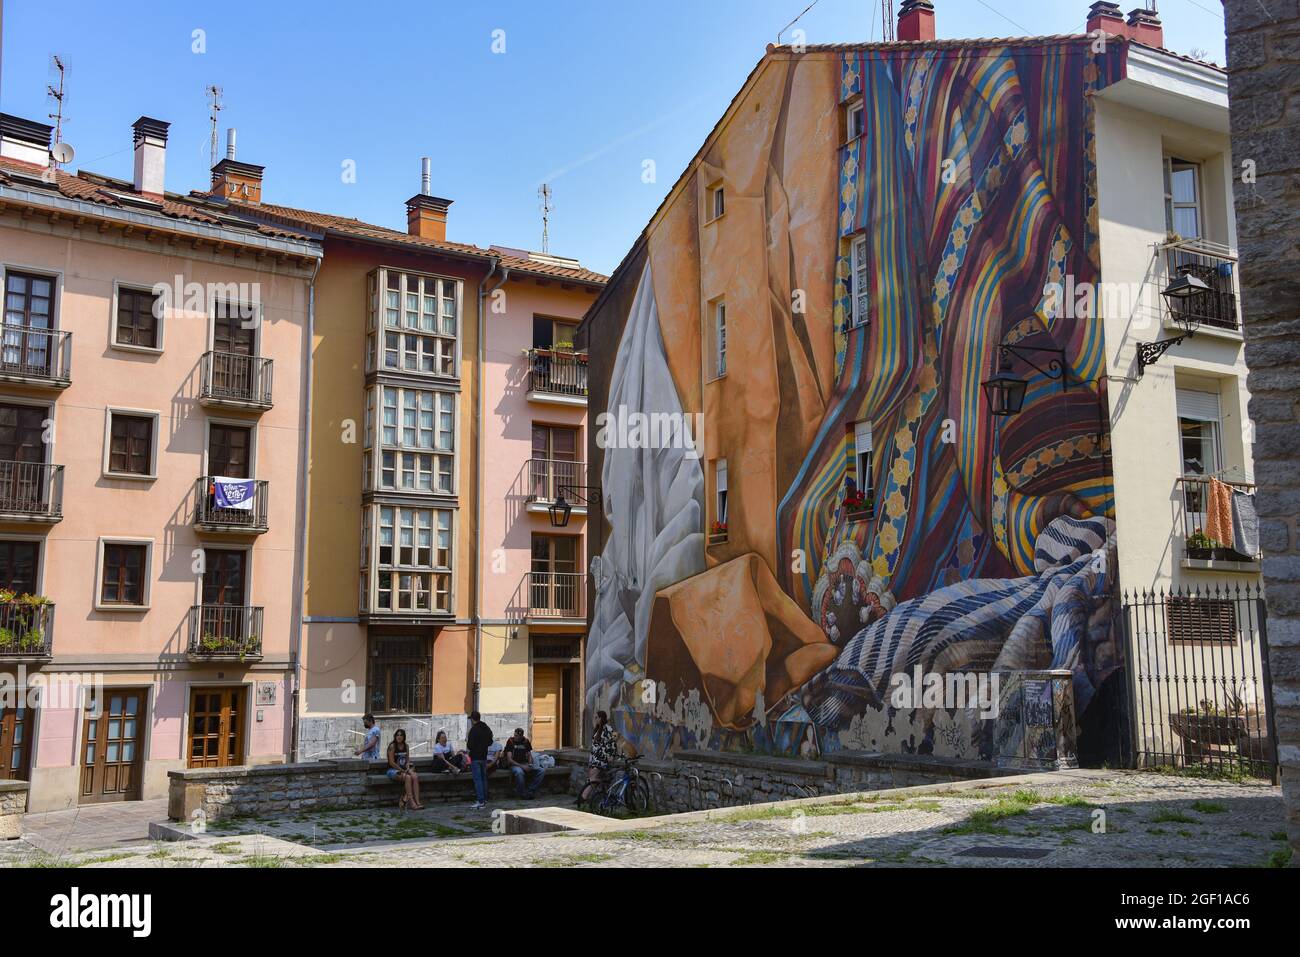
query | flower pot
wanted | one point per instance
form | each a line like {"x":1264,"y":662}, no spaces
{"x":1200,"y":554}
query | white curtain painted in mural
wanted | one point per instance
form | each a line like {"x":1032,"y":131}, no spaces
{"x":654,"y":503}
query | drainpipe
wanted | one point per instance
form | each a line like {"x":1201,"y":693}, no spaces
{"x":304,"y":485}
{"x":483,"y":292}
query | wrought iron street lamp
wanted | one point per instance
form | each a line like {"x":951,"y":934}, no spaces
{"x":1006,"y":392}
{"x":560,"y":509}
{"x":1177,"y":293}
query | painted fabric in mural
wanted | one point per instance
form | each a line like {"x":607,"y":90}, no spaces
{"x":653,"y":501}
{"x":986,"y":541}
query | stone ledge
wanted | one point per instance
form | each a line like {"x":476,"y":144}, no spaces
{"x":916,"y":762}
{"x":760,"y":762}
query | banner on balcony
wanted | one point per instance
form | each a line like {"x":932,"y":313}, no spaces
{"x":233,"y":493}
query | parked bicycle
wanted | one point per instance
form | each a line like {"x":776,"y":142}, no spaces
{"x":624,"y":789}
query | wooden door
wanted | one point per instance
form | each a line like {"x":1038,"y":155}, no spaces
{"x":22,"y":456}
{"x":216,"y":738}
{"x":548,"y":708}
{"x":228,"y":450}
{"x":15,"y":742}
{"x":112,"y":759}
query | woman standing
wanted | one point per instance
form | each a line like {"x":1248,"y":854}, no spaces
{"x":604,"y":750}
{"x":401,"y":769}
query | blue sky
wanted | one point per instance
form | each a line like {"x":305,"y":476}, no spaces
{"x":584,"y":93}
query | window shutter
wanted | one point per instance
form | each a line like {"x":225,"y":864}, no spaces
{"x":1202,"y":406}
{"x":862,"y":437}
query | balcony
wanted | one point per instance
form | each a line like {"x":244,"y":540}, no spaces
{"x":557,"y":377}
{"x":26,"y":628}
{"x":36,"y":357}
{"x":556,"y":596}
{"x":235,"y":381}
{"x":31,"y":492}
{"x":224,"y":511}
{"x":1199,"y":550}
{"x":546,"y":478}
{"x":225,"y":632}
{"x":1214,"y":266}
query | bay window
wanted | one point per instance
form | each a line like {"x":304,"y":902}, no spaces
{"x":414,"y":323}
{"x":412,"y":554}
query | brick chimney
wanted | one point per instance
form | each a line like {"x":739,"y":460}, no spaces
{"x":426,"y":214}
{"x":150,"y":137}
{"x":915,"y":20}
{"x":1144,"y":26}
{"x":1106,"y":17}
{"x":232,"y":179}
{"x":25,"y":140}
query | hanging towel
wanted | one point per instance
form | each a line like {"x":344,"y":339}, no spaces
{"x":1245,"y":525}
{"x":1218,"y":513}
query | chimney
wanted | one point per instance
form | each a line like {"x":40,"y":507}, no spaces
{"x":232,"y":179}
{"x":25,"y":140}
{"x":1144,"y":26}
{"x":915,"y":20}
{"x":1106,"y":17}
{"x":426,"y":214}
{"x":150,"y":155}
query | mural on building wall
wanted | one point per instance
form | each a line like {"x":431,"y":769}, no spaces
{"x":976,"y":544}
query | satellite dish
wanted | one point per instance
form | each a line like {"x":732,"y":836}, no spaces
{"x":62,"y":153}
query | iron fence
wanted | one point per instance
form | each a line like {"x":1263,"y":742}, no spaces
{"x":1200,"y":690}
{"x":1216,"y":306}
{"x":236,"y":378}
{"x":557,"y":373}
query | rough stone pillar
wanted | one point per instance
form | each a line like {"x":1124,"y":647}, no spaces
{"x":1264,"y":88}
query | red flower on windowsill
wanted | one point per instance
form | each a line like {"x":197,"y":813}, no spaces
{"x":718,"y":528}
{"x":856,"y":501}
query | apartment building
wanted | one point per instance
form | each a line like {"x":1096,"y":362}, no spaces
{"x":958,"y":318}
{"x":397,"y":571}
{"x":151,"y":446}
{"x":537,"y":496}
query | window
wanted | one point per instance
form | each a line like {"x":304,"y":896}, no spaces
{"x":414,"y":557}
{"x":1198,"y":427}
{"x":123,"y":568}
{"x":413,"y":323}
{"x":28,"y":346}
{"x":556,"y":585}
{"x":717,"y":202}
{"x":19,"y":566}
{"x":400,"y":674}
{"x":553,"y":333}
{"x":417,"y":430}
{"x":854,"y":121}
{"x":136,"y":321}
{"x":720,"y":337}
{"x":720,"y":490}
{"x":862,"y":460}
{"x":130,"y":444}
{"x":554,"y":462}
{"x":1182,"y":198}
{"x":860,"y":286}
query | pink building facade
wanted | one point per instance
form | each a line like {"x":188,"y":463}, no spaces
{"x":534,"y":435}
{"x":152,"y":403}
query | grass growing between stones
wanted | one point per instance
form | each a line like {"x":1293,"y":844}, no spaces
{"x":1280,"y":858}
{"x":1170,"y":816}
{"x":1209,"y":807}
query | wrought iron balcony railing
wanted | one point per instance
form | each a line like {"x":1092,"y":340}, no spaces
{"x":226,"y":631}
{"x":1194,"y":495}
{"x":546,"y":478}
{"x":1217,"y":306}
{"x":36,"y":356}
{"x":215,"y":512}
{"x":234,"y":379}
{"x":557,"y":373}
{"x":556,"y":595}
{"x":31,"y":491}
{"x":26,"y":628}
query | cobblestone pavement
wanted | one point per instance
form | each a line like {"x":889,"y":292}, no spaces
{"x":1069,"y":819}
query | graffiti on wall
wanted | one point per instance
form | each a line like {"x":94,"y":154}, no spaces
{"x":879,"y":520}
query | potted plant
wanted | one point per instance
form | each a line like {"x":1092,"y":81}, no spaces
{"x":717,"y":533}
{"x":1211,"y":726}
{"x":858,"y":504}
{"x":1200,"y":545}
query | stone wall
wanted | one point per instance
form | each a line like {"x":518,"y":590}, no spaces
{"x":13,"y":804}
{"x":1264,"y":88}
{"x":698,"y":780}
{"x":333,"y":737}
{"x":327,"y":784}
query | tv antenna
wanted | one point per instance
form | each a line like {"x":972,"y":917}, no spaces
{"x":887,"y":20}
{"x":57,"y":94}
{"x":544,"y":193}
{"x":214,"y":109}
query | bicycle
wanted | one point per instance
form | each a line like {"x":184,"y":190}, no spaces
{"x":624,"y":790}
